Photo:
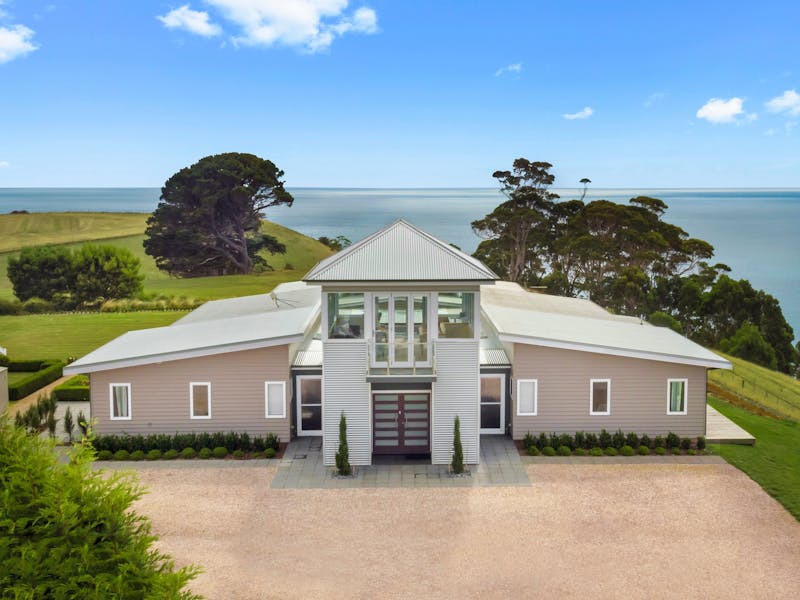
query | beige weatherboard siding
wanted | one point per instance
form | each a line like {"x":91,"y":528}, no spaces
{"x":160,"y":394}
{"x":639,"y":392}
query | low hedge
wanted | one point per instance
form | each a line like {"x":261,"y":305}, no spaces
{"x":624,"y":443}
{"x":197,"y":441}
{"x":49,"y":371}
{"x":73,"y":390}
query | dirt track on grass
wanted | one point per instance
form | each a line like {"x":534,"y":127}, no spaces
{"x":621,"y":531}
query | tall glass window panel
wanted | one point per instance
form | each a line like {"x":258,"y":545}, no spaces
{"x":527,"y":396}
{"x":600,"y":397}
{"x":491,"y":402}
{"x":677,"y":396}
{"x":311,"y":404}
{"x":456,"y":315}
{"x":201,"y":400}
{"x":345,"y":315}
{"x":276,"y":405}
{"x":120,"y":401}
{"x":381,"y":329}
{"x":421,"y":329}
{"x":400,"y":325}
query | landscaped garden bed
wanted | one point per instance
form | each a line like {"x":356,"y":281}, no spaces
{"x":30,"y":375}
{"x":237,"y":446}
{"x":604,"y":443}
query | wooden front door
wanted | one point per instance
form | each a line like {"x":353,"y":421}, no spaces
{"x":401,"y":423}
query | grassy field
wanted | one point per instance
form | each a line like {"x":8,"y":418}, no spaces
{"x":774,"y":461}
{"x":302,"y":254}
{"x":775,"y":392}
{"x":63,"y":335}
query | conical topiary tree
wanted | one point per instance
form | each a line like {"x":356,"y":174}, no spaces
{"x":458,"y":452}
{"x":69,"y":424}
{"x":343,"y":455}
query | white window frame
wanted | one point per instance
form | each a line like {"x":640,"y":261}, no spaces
{"x":502,"y":379}
{"x":111,"y":387}
{"x":300,"y":431}
{"x":606,"y":412}
{"x":535,"y":383}
{"x":685,"y":395}
{"x":266,"y":399}
{"x":191,"y":399}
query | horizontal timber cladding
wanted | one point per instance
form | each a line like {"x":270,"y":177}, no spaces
{"x":160,"y":394}
{"x":456,"y":392}
{"x":638,"y":393}
{"x":345,"y":390}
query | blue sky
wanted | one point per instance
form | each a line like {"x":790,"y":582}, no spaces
{"x":401,"y":94}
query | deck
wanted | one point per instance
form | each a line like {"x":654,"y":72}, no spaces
{"x":721,"y":430}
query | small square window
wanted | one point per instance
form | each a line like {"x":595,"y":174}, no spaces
{"x":275,"y":392}
{"x":200,"y":400}
{"x":120,"y":400}
{"x":600,"y":397}
{"x":677,"y":393}
{"x":527,"y":401}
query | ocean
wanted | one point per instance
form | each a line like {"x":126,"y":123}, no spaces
{"x":754,"y":231}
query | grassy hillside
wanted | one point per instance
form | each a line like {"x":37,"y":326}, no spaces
{"x":772,"y":392}
{"x":302,"y":252}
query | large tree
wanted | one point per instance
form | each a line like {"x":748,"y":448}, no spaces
{"x":208,"y":220}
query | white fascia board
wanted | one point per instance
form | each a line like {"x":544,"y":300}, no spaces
{"x":78,"y":369}
{"x":597,"y":349}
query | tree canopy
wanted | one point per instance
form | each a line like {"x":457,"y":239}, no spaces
{"x":208,"y":219}
{"x":627,"y":258}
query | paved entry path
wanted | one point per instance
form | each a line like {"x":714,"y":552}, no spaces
{"x":301,"y":467}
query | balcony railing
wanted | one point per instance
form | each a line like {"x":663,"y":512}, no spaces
{"x":386,"y":358}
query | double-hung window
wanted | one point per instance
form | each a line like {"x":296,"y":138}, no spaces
{"x":275,"y":399}
{"x":120,"y":401}
{"x":527,"y":401}
{"x":677,"y":393}
{"x":600,"y":397}
{"x":200,"y":400}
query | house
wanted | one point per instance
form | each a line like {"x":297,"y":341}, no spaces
{"x":401,"y":332}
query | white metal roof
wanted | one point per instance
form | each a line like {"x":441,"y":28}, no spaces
{"x":524,"y":317}
{"x":400,"y":252}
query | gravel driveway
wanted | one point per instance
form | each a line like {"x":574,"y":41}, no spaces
{"x":636,"y":531}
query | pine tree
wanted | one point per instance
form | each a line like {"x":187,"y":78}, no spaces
{"x":69,"y":424}
{"x":458,"y":452}
{"x":343,"y":455}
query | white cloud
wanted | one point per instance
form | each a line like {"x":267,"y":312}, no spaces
{"x":4,"y":164}
{"x":15,"y":41}
{"x":194,"y":21}
{"x":584,"y":113}
{"x":654,"y":98}
{"x":788,"y":103}
{"x":718,"y":110}
{"x":512,"y":68}
{"x":309,"y":24}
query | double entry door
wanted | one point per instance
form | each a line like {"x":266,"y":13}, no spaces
{"x":401,"y":423}
{"x":401,"y":330}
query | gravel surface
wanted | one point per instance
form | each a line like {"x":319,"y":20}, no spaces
{"x":617,"y":531}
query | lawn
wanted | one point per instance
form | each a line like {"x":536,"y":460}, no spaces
{"x":72,"y":334}
{"x":774,"y":461}
{"x":15,"y":376}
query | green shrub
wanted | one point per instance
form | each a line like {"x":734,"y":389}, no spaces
{"x":9,"y":307}
{"x":204,"y":453}
{"x":528,"y":440}
{"x":596,"y":451}
{"x":104,"y":455}
{"x":564,"y":451}
{"x":610,"y":451}
{"x":69,"y":530}
{"x":659,"y":442}
{"x":604,"y":439}
{"x":75,"y":389}
{"x":50,"y":371}
{"x":29,"y":365}
{"x":548,"y":451}
{"x":270,"y":453}
{"x":673,"y":441}
{"x":170,"y":454}
{"x":272,"y":441}
{"x":153,"y":455}
{"x":533,"y":450}
{"x":37,"y":306}
{"x":541,"y":440}
{"x":580,"y":452}
{"x":660,"y":450}
{"x":618,"y":439}
{"x":138,"y":455}
{"x":686,"y":443}
{"x":644,"y":450}
{"x":626,"y":450}
{"x":580,"y":439}
{"x":566,"y":439}
{"x":691,"y":452}
{"x":122,"y":455}
{"x":591,"y":441}
{"x":220,"y":452}
{"x":632,"y":440}
{"x":457,"y":464}
{"x":257,"y":455}
{"x":163,"y":442}
{"x":238,"y":454}
{"x":701,"y":443}
{"x":343,"y":453}
{"x":645,"y":441}
{"x":188,"y":453}
{"x":676,"y":451}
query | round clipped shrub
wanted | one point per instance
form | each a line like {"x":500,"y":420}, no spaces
{"x":238,"y":454}
{"x":533,"y":451}
{"x":257,"y":455}
{"x":596,"y":451}
{"x":676,"y":451}
{"x":701,"y":443}
{"x":579,"y":452}
{"x":138,"y":455}
{"x":104,"y":455}
{"x":122,"y":455}
{"x":220,"y":452}
{"x":660,"y":450}
{"x":188,"y":452}
{"x":564,"y":451}
{"x":691,"y":452}
{"x":626,"y":450}
{"x":204,"y":453}
{"x":154,"y":454}
{"x":270,"y":453}
{"x":659,"y":442}
{"x":646,"y":441}
{"x":171,"y":454}
{"x":549,"y":451}
{"x":644,"y":450}
{"x":686,"y":443}
{"x":611,"y":451}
